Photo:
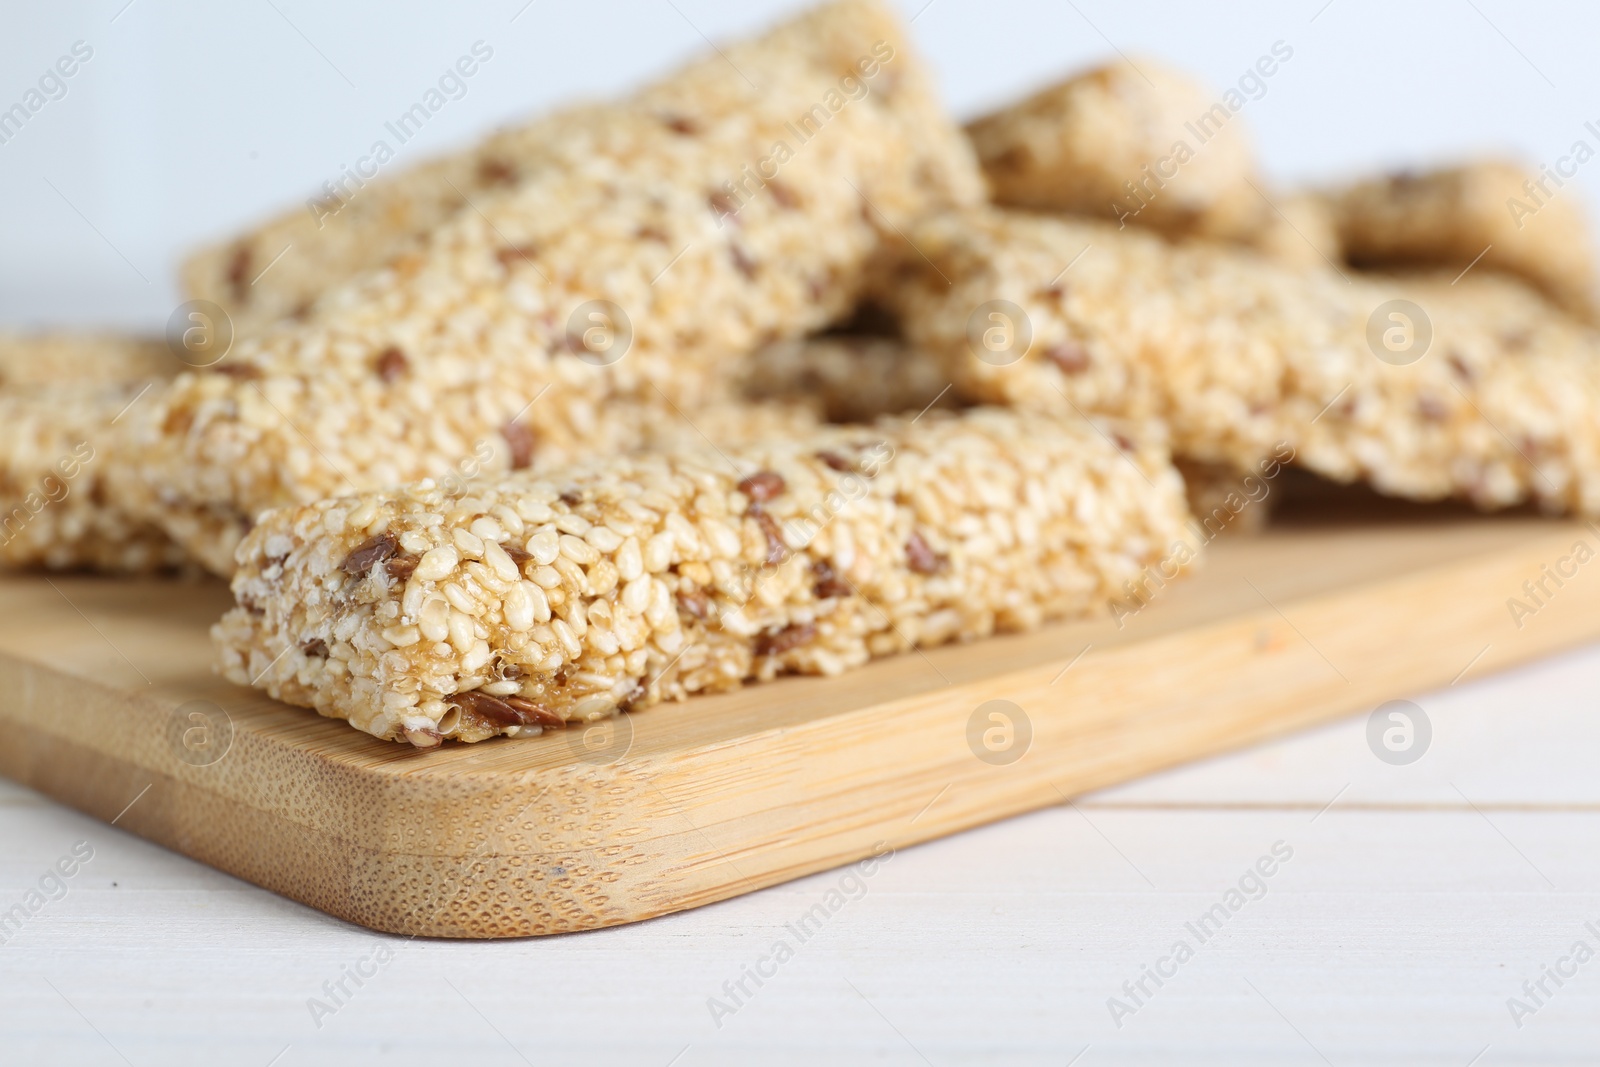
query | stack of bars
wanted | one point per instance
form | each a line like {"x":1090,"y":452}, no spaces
{"x":721,"y":381}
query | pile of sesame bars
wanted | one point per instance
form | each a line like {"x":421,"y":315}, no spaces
{"x":732,"y":378}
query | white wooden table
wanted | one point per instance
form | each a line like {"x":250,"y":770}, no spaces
{"x":1416,"y":902}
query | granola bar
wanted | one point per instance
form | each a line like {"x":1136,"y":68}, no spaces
{"x":613,"y":584}
{"x":1521,"y":223}
{"x":636,"y":274}
{"x":1476,"y":388}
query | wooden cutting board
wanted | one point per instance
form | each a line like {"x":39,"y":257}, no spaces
{"x":109,"y":704}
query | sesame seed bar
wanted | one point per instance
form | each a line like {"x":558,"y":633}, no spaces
{"x":58,"y":456}
{"x":280,"y":267}
{"x":361,"y":227}
{"x":1521,"y":223}
{"x":726,"y":424}
{"x":1118,"y":141}
{"x":1225,"y":500}
{"x":591,"y":280}
{"x":1159,"y":152}
{"x":854,"y":378}
{"x":40,"y":358}
{"x":535,"y":601}
{"x":1299,"y":229}
{"x":1498,"y":402}
{"x":60,"y":450}
{"x":63,"y":398}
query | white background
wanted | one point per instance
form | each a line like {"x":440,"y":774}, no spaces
{"x":196,"y":117}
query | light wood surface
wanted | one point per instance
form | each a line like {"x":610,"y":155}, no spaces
{"x":721,"y":795}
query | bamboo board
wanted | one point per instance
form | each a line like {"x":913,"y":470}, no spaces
{"x":109,"y":705}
